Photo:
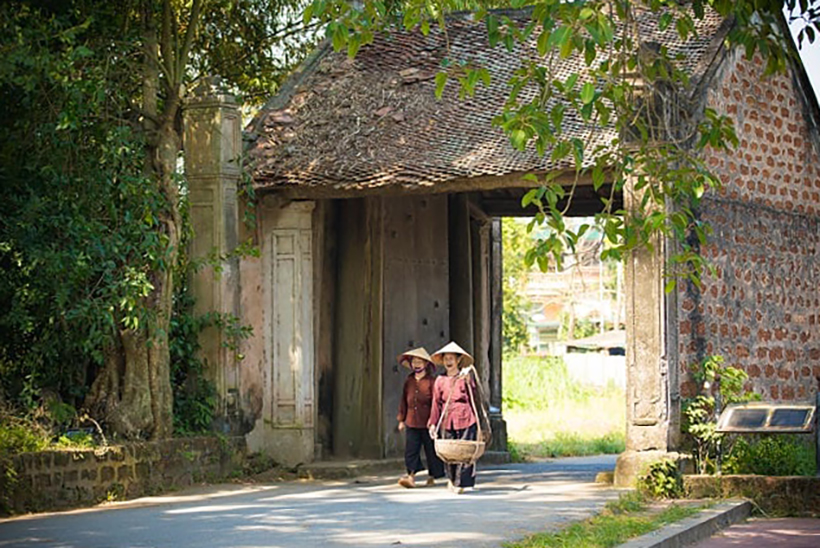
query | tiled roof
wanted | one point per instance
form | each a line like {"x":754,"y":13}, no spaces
{"x":374,"y":122}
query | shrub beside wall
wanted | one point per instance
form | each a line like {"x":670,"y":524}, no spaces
{"x":50,"y":480}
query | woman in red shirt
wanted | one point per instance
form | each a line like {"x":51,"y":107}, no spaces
{"x":460,"y":421}
{"x":414,"y":412}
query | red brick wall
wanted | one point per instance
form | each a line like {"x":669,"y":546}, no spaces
{"x":761,"y":309}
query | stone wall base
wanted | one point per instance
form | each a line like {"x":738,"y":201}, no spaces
{"x":53,"y":480}
{"x":773,"y":495}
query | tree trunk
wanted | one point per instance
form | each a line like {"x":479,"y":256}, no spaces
{"x":133,"y":391}
{"x":159,"y":356}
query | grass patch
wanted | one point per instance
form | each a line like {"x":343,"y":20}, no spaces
{"x":549,"y":414}
{"x":621,"y":520}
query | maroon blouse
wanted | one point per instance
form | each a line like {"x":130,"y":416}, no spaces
{"x":416,"y":399}
{"x":460,"y":411}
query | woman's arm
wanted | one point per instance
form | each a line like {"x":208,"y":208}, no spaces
{"x":435,"y":411}
{"x":403,"y":403}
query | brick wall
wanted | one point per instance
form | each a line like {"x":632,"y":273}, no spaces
{"x":50,"y":480}
{"x":761,"y":309}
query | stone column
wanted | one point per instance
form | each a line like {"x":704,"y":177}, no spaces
{"x":212,"y":145}
{"x":650,"y":416}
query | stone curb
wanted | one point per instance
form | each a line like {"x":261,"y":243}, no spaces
{"x":695,"y":528}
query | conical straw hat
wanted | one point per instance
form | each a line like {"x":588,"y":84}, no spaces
{"x":452,"y":348}
{"x":408,"y":356}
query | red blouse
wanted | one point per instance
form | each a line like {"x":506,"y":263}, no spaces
{"x":460,"y":411}
{"x":416,"y":399}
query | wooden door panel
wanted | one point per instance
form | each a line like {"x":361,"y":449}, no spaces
{"x":416,"y":289}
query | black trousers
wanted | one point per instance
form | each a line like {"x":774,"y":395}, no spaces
{"x":460,"y":474}
{"x":415,"y":439}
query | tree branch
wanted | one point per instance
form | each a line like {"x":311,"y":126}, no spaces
{"x":190,"y":33}
{"x":166,"y":43}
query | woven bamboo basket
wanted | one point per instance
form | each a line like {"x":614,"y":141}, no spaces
{"x":459,"y":451}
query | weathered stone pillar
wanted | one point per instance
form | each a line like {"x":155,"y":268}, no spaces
{"x":212,"y":143}
{"x":650,"y":416}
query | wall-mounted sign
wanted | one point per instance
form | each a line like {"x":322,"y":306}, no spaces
{"x":767,"y":418}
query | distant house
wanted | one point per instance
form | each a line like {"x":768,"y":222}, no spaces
{"x":599,"y":359}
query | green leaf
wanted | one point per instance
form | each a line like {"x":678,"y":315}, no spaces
{"x":558,"y":37}
{"x":542,"y":44}
{"x":441,"y":81}
{"x":509,"y":42}
{"x":587,"y":93}
{"x":518,"y":138}
{"x":353,"y":46}
{"x":485,"y":77}
{"x":492,"y":30}
{"x":308,"y":14}
{"x":567,"y":46}
{"x":528,"y":198}
{"x":597,"y":177}
{"x":339,"y":37}
{"x":664,"y":21}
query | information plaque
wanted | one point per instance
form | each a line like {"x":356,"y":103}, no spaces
{"x":767,"y":418}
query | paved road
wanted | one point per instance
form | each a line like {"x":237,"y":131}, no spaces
{"x":511,"y":501}
{"x":765,"y":533}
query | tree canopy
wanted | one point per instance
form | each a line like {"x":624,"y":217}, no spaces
{"x":92,"y":228}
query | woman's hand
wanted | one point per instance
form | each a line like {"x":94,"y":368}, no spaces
{"x":401,"y":426}
{"x":465,"y":371}
{"x":432,"y":430}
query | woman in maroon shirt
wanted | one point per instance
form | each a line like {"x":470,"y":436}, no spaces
{"x":414,"y":412}
{"x":460,"y":421}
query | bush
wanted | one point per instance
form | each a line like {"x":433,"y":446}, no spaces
{"x":20,"y":436}
{"x":662,"y":480}
{"x":16,"y":436}
{"x":772,"y":455}
{"x":700,"y":413}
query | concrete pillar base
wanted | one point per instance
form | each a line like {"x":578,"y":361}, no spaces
{"x":631,"y":464}
{"x":287,"y":446}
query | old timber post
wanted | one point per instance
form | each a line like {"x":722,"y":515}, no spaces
{"x":212,"y":143}
{"x":497,"y":422}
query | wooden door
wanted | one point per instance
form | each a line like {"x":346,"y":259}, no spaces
{"x":292,"y":327}
{"x":416,"y":294}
